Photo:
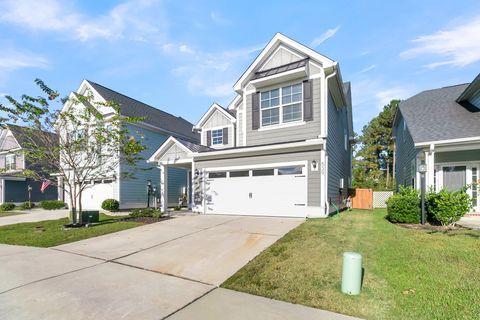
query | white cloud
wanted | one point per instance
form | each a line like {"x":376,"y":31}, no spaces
{"x":457,"y":46}
{"x":11,"y":59}
{"x":324,"y":37}
{"x":133,"y":20}
{"x":210,"y":74}
{"x":45,"y":15}
{"x":369,"y":68}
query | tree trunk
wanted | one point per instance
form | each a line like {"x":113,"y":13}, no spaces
{"x":80,"y":206}
{"x":387,"y":180}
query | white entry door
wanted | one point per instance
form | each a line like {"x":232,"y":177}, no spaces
{"x":278,"y":191}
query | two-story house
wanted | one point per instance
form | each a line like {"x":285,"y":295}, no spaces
{"x":440,"y":128}
{"x":13,"y":186}
{"x":156,"y":126}
{"x":281,"y":148}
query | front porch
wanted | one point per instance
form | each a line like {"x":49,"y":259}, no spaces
{"x":452,"y":167}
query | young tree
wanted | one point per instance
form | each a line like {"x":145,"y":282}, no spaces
{"x":374,"y":159}
{"x":88,"y":144}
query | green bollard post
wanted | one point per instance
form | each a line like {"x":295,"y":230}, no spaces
{"x":352,"y":273}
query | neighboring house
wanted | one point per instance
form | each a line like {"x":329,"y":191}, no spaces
{"x":155,"y":128}
{"x":13,"y":186}
{"x":441,"y":129}
{"x":283,"y":145}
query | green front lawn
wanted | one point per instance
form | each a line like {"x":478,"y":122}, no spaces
{"x":51,"y":233}
{"x":409,"y":274}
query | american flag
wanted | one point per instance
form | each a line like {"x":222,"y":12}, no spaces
{"x":45,"y":184}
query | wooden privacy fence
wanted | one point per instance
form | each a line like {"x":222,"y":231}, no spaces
{"x":362,"y":199}
{"x":369,"y":199}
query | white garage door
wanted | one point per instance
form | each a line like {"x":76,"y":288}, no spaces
{"x":278,"y":191}
{"x":94,"y":194}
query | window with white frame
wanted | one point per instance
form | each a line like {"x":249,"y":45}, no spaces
{"x":10,"y":162}
{"x":281,"y":105}
{"x":217,"y":136}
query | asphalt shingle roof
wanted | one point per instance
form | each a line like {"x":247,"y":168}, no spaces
{"x":194,"y":147}
{"x":26,"y":138}
{"x":434,"y":115}
{"x":158,"y":118}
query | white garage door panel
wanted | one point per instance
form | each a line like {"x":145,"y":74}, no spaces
{"x":93,"y":196}
{"x":279,"y":195}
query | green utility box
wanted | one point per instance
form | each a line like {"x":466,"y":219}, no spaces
{"x":352,"y":273}
{"x":90,"y":216}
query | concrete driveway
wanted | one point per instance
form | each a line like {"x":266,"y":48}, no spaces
{"x":157,"y":271}
{"x":34,"y":216}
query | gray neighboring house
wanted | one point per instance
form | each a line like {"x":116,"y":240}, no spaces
{"x":13,"y":186}
{"x":281,"y":148}
{"x":441,"y":129}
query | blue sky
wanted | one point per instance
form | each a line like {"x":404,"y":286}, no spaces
{"x":180,"y":56}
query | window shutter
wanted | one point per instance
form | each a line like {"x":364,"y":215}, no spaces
{"x":2,"y":162}
{"x":225,"y":136}
{"x":209,"y":138}
{"x":307,"y":100}
{"x":255,"y":111}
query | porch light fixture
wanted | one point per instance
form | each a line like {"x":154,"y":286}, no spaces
{"x":149,"y":192}
{"x":422,"y":169}
{"x":314,"y":164}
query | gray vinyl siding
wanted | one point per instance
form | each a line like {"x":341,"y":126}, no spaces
{"x":309,"y":130}
{"x":339,"y":158}
{"x":457,"y":156}
{"x":313,"y":183}
{"x":405,"y":154}
{"x":217,"y":121}
{"x":133,"y":192}
{"x":10,"y":143}
{"x":174,"y":153}
{"x":282,"y":57}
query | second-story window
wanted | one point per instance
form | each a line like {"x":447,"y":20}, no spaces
{"x":217,"y":136}
{"x":281,"y":105}
{"x":10,"y":162}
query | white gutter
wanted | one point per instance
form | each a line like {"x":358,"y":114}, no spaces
{"x":450,"y":141}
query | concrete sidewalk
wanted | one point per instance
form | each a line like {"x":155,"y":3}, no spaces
{"x":34,"y":215}
{"x":471,"y":222}
{"x":228,"y":304}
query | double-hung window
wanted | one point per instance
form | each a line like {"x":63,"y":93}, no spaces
{"x":281,"y":105}
{"x":10,"y":162}
{"x":217,"y":136}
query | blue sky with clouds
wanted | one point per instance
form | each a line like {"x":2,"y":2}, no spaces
{"x":181,"y":56}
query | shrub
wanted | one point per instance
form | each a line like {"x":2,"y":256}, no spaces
{"x":404,"y":207}
{"x":447,"y":207}
{"x":146,"y":212}
{"x":27,"y":205}
{"x":52,"y":204}
{"x":110,"y":205}
{"x":7,"y":206}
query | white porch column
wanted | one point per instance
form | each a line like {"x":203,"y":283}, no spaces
{"x":164,"y":187}
{"x":60,"y":191}
{"x":430,"y":163}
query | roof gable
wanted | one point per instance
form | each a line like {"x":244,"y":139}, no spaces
{"x":215,"y":108}
{"x":265,"y":58}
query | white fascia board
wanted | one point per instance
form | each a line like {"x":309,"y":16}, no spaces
{"x":446,"y":142}
{"x":276,"y":40}
{"x":210,"y":111}
{"x":231,"y":105}
{"x":243,"y":150}
{"x":165,"y":146}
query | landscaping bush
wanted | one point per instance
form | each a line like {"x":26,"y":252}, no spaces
{"x":404,"y":206}
{"x":7,"y":206}
{"x":146,"y":212}
{"x":52,"y":204}
{"x":447,"y":207}
{"x":27,"y":205}
{"x":110,"y":205}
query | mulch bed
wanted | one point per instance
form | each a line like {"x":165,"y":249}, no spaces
{"x":146,"y":220}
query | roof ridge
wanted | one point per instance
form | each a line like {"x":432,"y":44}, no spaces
{"x":136,"y":100}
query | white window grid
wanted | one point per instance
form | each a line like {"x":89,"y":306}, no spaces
{"x":283,"y":104}
{"x":217,"y":136}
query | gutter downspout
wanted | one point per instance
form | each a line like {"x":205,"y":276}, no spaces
{"x":324,"y":154}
